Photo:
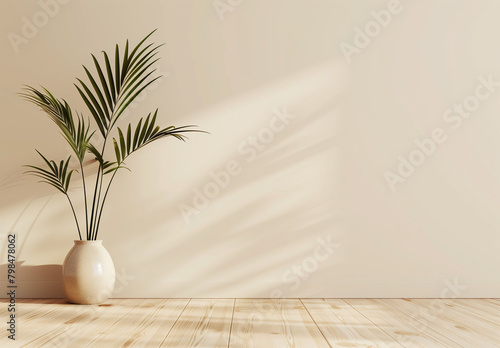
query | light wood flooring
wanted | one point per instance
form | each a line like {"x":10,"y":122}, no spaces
{"x":258,"y":323}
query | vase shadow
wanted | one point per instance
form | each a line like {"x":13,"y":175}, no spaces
{"x":40,"y":281}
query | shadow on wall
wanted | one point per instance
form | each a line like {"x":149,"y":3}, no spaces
{"x":17,"y":187}
{"x":14,"y":228}
{"x":28,"y":278}
{"x":283,"y":237}
{"x":276,"y":209}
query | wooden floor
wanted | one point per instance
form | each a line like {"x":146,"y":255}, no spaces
{"x":258,"y":323}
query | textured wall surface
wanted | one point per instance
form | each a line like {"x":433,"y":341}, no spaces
{"x":354,"y":147}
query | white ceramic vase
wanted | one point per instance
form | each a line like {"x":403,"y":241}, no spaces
{"x":88,"y":273}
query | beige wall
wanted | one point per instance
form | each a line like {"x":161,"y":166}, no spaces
{"x":327,"y":207}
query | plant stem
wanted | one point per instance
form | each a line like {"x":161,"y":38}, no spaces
{"x":103,"y":200}
{"x":96,"y":222}
{"x":93,"y":201}
{"x":85,"y":199}
{"x":94,"y":227}
{"x":76,"y":220}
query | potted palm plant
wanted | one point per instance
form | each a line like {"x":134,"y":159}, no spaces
{"x":88,"y":271}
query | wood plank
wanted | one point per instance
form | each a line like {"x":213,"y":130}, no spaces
{"x":203,"y":323}
{"x":40,"y":300}
{"x":259,"y":323}
{"x":4,"y":303}
{"x":146,"y":325}
{"x":465,"y":319}
{"x":32,"y":316}
{"x":399,"y":326}
{"x":493,"y":301}
{"x":343,"y":326}
{"x":274,"y":323}
{"x":435,"y":317}
{"x":28,"y":311}
{"x":80,"y":323}
{"x":477,"y":308}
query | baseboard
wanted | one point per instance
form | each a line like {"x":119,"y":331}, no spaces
{"x":353,"y":289}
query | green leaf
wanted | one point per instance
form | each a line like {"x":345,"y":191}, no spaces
{"x":125,"y":63}
{"x":104,"y":84}
{"x":60,"y":113}
{"x":117,"y":151}
{"x":155,"y":131}
{"x":57,"y":177}
{"x":136,"y":134}
{"x":141,"y":63}
{"x":66,"y":186}
{"x":131,"y":99}
{"x":144,"y":129}
{"x":117,"y":69}
{"x":102,"y":106}
{"x":46,"y":161}
{"x":111,"y":170}
{"x":110,"y":77}
{"x":139,"y":45}
{"x":135,"y":75}
{"x":122,"y":144}
{"x":129,"y":135}
{"x":116,"y":168}
{"x":147,"y":133}
{"x":91,"y":148}
{"x":45,"y":177}
{"x":65,"y":168}
{"x":54,"y":165}
{"x":38,"y":169}
{"x":61,"y":164}
{"x":97,"y":119}
{"x":108,"y":164}
{"x":54,"y":185}
{"x":151,"y":125}
{"x":96,"y":105}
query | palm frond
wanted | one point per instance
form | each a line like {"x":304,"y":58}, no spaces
{"x":56,"y":175}
{"x":109,"y":88}
{"x":144,"y":134}
{"x":59,"y":111}
{"x":98,"y":156}
{"x":111,"y":93}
